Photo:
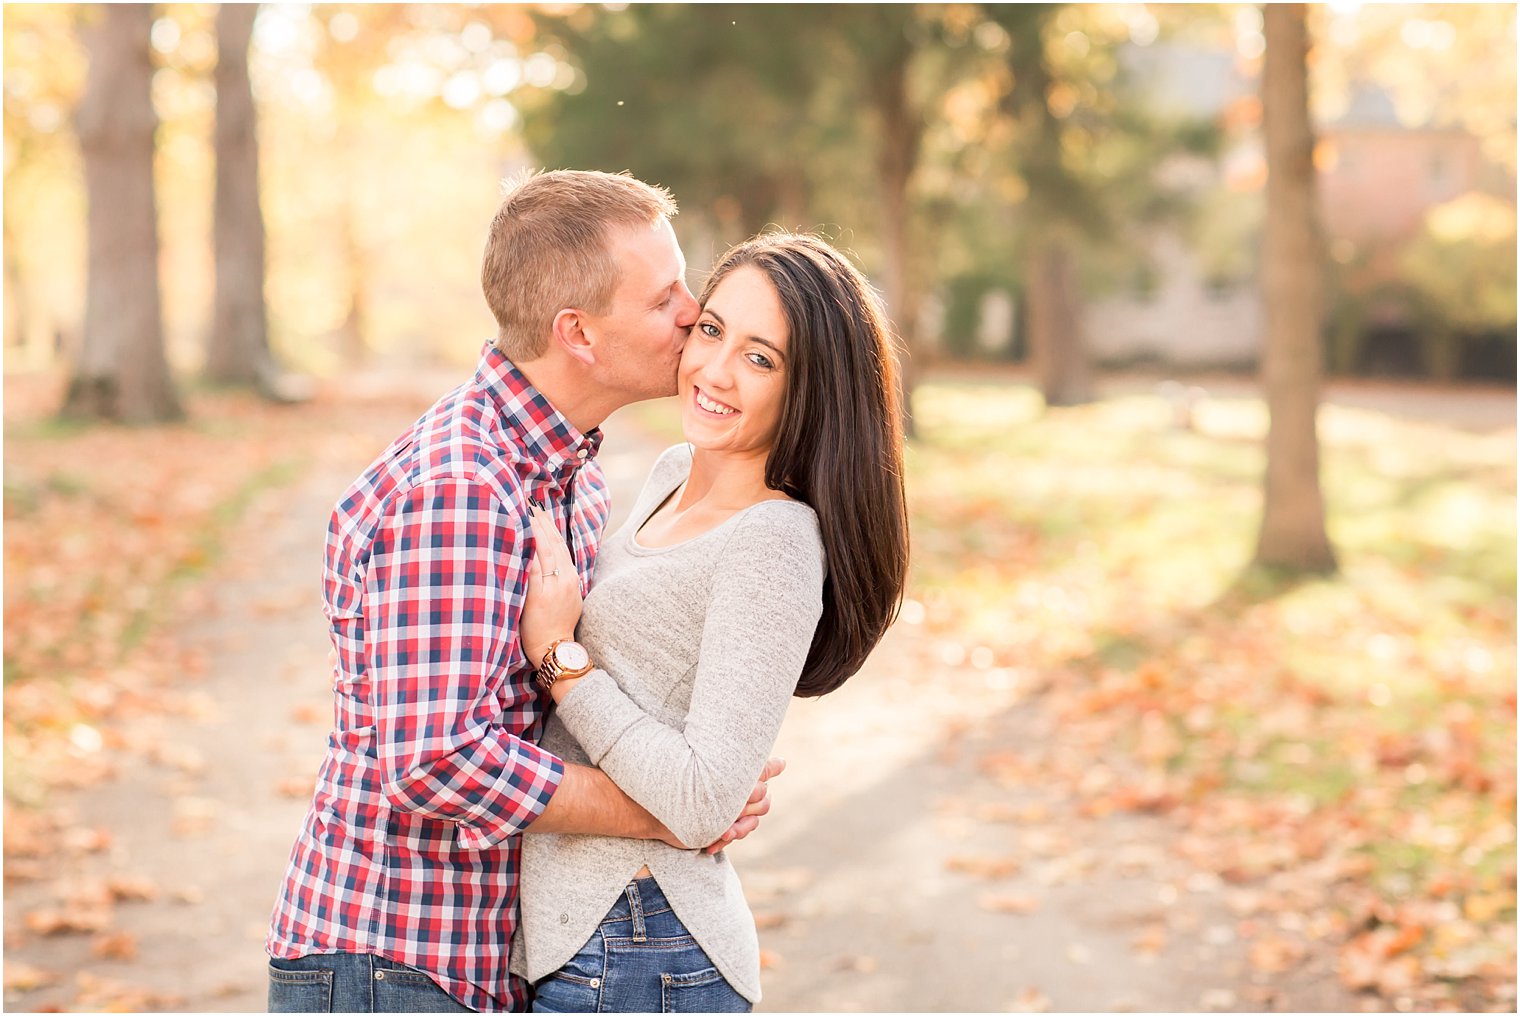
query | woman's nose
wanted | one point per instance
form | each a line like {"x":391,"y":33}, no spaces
{"x":717,"y":371}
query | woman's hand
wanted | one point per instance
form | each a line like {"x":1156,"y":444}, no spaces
{"x":553,"y":604}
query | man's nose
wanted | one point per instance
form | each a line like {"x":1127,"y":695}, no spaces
{"x":689,"y":311}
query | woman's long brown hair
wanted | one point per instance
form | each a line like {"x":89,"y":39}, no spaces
{"x":838,"y":447}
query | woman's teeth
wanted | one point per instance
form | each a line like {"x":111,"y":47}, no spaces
{"x":711,"y":406}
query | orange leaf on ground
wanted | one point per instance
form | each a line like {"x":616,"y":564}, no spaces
{"x":1487,"y":906}
{"x":1008,"y":904}
{"x":295,"y":786}
{"x":985,"y":867}
{"x":1275,"y":954}
{"x":769,"y":959}
{"x":857,"y":963}
{"x":132,"y":887}
{"x":310,"y":712}
{"x":1031,"y":1000}
{"x":121,"y":945}
{"x":24,"y":977}
{"x":27,"y":833}
{"x":86,"y":841}
{"x":1151,"y":941}
{"x":67,"y":920}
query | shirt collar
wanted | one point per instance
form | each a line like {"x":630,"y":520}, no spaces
{"x":531,"y":422}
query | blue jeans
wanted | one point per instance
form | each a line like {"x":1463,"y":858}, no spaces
{"x":641,"y":959}
{"x":352,"y":982}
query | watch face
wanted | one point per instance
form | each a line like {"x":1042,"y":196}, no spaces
{"x":571,"y":655}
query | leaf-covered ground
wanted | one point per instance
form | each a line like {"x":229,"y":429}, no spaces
{"x":1336,"y":754}
{"x":1342,"y":748}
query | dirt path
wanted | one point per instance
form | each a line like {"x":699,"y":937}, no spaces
{"x":894,"y":874}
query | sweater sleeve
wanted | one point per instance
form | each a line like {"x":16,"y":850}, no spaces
{"x":765,"y":602}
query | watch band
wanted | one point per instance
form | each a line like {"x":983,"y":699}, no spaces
{"x":550,"y":670}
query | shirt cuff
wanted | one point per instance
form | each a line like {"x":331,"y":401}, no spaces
{"x":529,"y":777}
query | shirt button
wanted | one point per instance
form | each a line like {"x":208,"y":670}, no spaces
{"x":583,"y":453}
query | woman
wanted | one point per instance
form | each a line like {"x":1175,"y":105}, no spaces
{"x":764,"y":558}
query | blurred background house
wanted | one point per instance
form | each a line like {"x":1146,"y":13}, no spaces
{"x":1387,"y":187}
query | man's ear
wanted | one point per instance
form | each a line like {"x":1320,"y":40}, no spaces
{"x":569,"y":332}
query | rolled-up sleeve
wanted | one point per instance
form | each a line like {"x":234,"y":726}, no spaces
{"x":443,"y":592}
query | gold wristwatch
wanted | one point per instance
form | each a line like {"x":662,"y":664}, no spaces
{"x":565,"y":659}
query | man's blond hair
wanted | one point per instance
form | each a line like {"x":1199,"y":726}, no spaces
{"x":548,"y":249}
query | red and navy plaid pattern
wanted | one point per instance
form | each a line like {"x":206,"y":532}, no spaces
{"x":409,"y":850}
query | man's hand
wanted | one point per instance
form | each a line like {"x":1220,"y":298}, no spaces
{"x":758,"y":804}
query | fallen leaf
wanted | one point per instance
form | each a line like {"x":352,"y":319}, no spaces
{"x":67,"y":920}
{"x":1031,"y":1000}
{"x":1275,"y":954}
{"x":859,"y":964}
{"x":1152,"y":941}
{"x":295,"y":786}
{"x":1007,"y":904}
{"x":121,"y":945}
{"x":985,"y":867}
{"x":190,"y":894}
{"x":25,"y":977}
{"x":27,"y":833}
{"x":82,"y":840}
{"x":1483,"y":907}
{"x":132,"y":887}
{"x":769,"y":959}
{"x":310,"y":712}
{"x":23,"y":870}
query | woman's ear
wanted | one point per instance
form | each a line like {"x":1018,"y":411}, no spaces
{"x":569,"y":331}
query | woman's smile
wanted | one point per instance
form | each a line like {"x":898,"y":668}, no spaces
{"x":708,"y":404}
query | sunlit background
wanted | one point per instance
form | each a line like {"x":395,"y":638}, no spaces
{"x":384,"y":131}
{"x":1111,"y":757}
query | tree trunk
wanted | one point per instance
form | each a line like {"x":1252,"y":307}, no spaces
{"x":1055,"y":325}
{"x":1293,"y":521}
{"x":901,"y":134}
{"x":18,"y":320}
{"x":122,"y":372}
{"x":237,"y":350}
{"x":1057,"y":348}
{"x":353,"y":346}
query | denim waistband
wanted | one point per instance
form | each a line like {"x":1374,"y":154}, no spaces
{"x":641,"y":898}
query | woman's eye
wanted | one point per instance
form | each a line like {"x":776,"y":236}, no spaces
{"x":760,"y":360}
{"x":708,"y":329}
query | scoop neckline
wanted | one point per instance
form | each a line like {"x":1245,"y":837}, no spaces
{"x":640,"y":548}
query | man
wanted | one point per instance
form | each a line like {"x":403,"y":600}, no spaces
{"x":401,"y":893}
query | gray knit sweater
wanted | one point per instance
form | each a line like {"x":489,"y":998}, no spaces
{"x":701,"y":645}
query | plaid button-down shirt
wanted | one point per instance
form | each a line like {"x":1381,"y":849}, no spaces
{"x":409,"y":849}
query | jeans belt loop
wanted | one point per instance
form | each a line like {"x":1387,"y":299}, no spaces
{"x":636,"y":908}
